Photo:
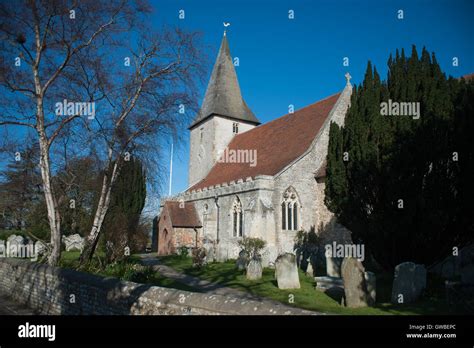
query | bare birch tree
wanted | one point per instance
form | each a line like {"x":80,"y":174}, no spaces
{"x":147,"y":101}
{"x":68,"y":50}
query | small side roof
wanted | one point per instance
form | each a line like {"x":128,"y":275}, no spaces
{"x":183,"y":214}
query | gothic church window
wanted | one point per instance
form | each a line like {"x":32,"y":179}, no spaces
{"x":237,"y":218}
{"x":289,"y":211}
{"x":235,"y":128}
{"x":283,"y":216}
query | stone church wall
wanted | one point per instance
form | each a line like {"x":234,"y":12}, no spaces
{"x":255,"y":196}
{"x":187,"y":237}
{"x":301,"y":176}
{"x":261,"y":196}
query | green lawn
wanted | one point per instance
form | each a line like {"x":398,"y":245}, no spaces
{"x":307,"y":296}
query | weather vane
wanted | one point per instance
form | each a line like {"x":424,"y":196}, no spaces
{"x":226,"y":24}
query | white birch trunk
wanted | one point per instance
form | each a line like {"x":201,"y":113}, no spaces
{"x":101,"y":211}
{"x":50,"y":199}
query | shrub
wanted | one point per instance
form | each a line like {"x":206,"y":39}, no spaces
{"x":252,"y":246}
{"x":183,"y":252}
{"x":129,"y":271}
{"x":139,"y":274}
{"x":306,"y":246}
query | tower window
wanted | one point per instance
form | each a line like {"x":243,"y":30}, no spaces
{"x":235,"y":128}
{"x":201,"y":132}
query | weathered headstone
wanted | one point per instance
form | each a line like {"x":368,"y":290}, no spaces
{"x":371,"y":284}
{"x":355,"y":287}
{"x":408,"y":283}
{"x":286,"y":272}
{"x":309,"y":270}
{"x":15,"y":240}
{"x":254,"y":269}
{"x":242,"y":260}
{"x":333,"y":267}
{"x":211,"y":256}
{"x":74,"y":242}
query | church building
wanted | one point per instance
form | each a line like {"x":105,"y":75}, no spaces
{"x":251,"y":179}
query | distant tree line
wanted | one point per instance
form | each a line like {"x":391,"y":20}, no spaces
{"x":23,"y":209}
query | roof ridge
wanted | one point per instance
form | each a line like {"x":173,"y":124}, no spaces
{"x":286,"y":115}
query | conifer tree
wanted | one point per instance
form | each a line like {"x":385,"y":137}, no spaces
{"x":127,"y":202}
{"x":404,"y":189}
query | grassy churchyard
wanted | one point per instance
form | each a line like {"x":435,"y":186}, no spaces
{"x":307,"y":296}
{"x":226,"y":274}
{"x":130,"y":270}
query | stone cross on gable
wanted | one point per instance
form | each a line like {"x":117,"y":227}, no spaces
{"x":348,"y":77}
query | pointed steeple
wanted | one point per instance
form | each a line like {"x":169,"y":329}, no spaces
{"x":223,"y":96}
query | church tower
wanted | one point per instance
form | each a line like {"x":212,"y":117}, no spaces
{"x":223,"y":114}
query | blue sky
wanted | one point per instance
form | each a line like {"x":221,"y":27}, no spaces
{"x":299,"y":61}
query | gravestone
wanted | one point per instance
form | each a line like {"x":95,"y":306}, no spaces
{"x":15,"y":240}
{"x":371,"y":284}
{"x":242,"y":260}
{"x":333,"y":267}
{"x":74,"y":242}
{"x":254,"y":269}
{"x":408,"y":283}
{"x":286,"y":272}
{"x":210,"y":254}
{"x":355,"y":287}
{"x":309,"y":270}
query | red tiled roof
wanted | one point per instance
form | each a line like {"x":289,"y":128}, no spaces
{"x":184,"y":215}
{"x":278,"y":143}
{"x":468,"y":76}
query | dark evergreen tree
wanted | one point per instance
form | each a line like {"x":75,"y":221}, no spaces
{"x":127,"y":202}
{"x":406,"y":188}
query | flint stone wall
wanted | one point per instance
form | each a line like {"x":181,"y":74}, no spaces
{"x":48,"y":290}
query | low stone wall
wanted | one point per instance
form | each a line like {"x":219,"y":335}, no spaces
{"x":51,"y":290}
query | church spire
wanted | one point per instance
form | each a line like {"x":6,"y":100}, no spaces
{"x":223,"y":96}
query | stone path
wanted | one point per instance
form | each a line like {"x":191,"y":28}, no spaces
{"x":197,"y":283}
{"x":210,"y":287}
{"x":10,"y":307}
